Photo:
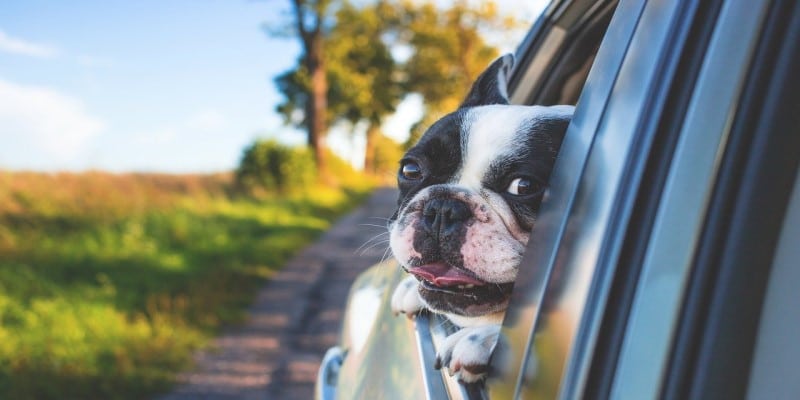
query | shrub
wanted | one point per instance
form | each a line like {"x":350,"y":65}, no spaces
{"x":387,"y":157}
{"x":269,"y":166}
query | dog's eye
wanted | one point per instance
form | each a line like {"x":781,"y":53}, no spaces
{"x":520,"y":186}
{"x":411,"y":171}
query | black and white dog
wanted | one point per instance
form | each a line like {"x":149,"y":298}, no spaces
{"x":469,"y":193}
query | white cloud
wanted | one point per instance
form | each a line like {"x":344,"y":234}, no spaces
{"x":13,"y":45}
{"x":39,"y":125}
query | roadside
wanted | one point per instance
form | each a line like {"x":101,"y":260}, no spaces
{"x":295,"y":317}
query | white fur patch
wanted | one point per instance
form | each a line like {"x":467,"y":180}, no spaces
{"x":405,"y":298}
{"x":467,"y":349}
{"x":401,"y":240}
{"x":492,"y":132}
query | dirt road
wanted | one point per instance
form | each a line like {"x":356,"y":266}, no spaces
{"x":295,"y":318}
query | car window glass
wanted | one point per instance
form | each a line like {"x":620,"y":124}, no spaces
{"x":777,"y":355}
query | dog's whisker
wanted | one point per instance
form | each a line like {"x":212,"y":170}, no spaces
{"x":367,"y":242}
{"x":387,"y":252}
{"x":372,"y":240}
{"x":373,"y":225}
{"x":388,"y":221}
{"x":372,"y":246}
{"x":376,"y":244}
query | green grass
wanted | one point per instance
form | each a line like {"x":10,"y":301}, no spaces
{"x":109,"y":282}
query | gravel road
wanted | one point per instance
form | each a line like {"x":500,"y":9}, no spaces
{"x":294,"y":319}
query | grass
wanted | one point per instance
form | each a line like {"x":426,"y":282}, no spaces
{"x":109,"y":282}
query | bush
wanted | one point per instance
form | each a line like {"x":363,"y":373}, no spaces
{"x":387,"y":158}
{"x":269,"y":166}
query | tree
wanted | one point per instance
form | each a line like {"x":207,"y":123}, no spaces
{"x":365,"y":83}
{"x":449,"y":52}
{"x":307,"y":86}
{"x":360,"y":74}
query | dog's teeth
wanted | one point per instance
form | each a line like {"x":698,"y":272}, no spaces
{"x":470,"y":286}
{"x":461,"y":286}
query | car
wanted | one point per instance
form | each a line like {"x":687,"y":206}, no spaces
{"x":664,"y":259}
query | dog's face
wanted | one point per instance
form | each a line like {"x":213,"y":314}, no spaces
{"x":469,"y":193}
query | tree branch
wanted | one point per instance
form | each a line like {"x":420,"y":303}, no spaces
{"x":301,"y":27}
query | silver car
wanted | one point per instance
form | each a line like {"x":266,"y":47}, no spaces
{"x":665,"y":260}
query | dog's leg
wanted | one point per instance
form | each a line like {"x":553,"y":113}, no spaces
{"x":405,"y":298}
{"x":467,"y":352}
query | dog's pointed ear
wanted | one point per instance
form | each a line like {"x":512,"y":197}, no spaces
{"x":491,"y":87}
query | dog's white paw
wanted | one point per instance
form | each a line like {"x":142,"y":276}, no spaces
{"x":405,"y":298}
{"x":466,"y":353}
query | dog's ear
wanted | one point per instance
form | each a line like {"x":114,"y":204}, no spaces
{"x":491,"y":87}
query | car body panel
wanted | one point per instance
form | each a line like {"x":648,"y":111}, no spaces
{"x":372,"y":335}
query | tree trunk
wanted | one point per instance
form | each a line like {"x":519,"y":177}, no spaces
{"x":373,"y":130}
{"x":316,"y":113}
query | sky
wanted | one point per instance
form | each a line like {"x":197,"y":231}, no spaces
{"x":173,"y":86}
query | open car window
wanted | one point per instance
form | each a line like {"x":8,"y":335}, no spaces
{"x":553,"y":64}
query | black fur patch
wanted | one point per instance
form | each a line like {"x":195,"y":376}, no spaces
{"x":438,"y":153}
{"x":534,"y":160}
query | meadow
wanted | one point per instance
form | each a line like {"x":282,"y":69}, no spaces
{"x":109,"y":282}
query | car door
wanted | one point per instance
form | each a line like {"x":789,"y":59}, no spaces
{"x":658,"y":233}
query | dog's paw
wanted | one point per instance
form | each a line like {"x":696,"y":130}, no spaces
{"x":466,"y":353}
{"x":405,"y":298}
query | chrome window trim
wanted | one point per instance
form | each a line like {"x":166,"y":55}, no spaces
{"x":433,"y":379}
{"x":658,"y":298}
{"x":440,"y":329}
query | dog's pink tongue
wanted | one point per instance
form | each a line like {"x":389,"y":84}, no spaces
{"x":442,"y":274}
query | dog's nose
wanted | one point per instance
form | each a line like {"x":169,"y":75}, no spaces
{"x":443,"y":216}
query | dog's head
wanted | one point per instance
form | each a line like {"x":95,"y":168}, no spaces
{"x":469,"y":193}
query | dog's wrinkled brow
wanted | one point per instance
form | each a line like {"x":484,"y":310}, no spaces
{"x":495,"y":135}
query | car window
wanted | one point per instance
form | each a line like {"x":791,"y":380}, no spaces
{"x":552,"y":67}
{"x":777,"y":354}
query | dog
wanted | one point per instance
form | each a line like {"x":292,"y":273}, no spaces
{"x":469,"y":193}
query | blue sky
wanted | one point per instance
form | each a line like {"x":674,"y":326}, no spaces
{"x":171,"y":85}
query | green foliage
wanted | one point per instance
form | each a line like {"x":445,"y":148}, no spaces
{"x":268,"y":166}
{"x":107,"y":296}
{"x":450,"y":49}
{"x":365,"y":83}
{"x":387,"y":157}
{"x":363,"y":80}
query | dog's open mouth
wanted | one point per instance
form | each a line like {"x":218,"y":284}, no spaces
{"x":451,"y":289}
